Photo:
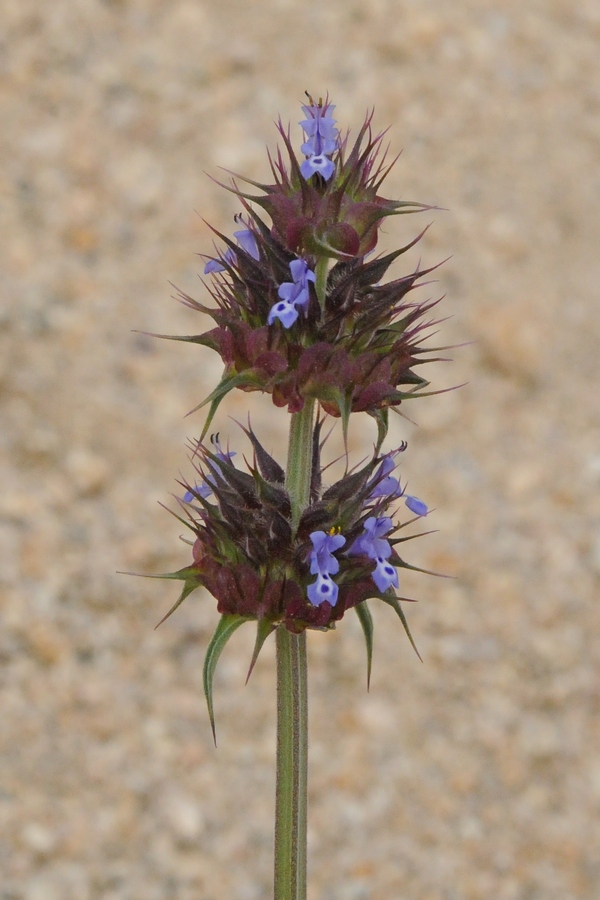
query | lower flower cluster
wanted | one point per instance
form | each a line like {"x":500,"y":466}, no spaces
{"x":248,"y":556}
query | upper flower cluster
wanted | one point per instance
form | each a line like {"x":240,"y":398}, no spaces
{"x":299,"y":311}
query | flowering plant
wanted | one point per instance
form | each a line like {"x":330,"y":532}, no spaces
{"x":301,"y":314}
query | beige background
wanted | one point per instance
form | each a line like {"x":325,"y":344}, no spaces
{"x":475,"y":775}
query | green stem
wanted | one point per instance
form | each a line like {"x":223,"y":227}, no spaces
{"x":292,"y":701}
{"x":321,"y":271}
{"x":292,"y":754}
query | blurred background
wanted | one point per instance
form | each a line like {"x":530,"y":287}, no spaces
{"x":473,"y":775}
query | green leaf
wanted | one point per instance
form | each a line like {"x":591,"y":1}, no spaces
{"x":189,"y":574}
{"x":344,"y":405}
{"x":192,"y":581}
{"x":204,"y":339}
{"x":404,"y":565}
{"x":366,"y":620}
{"x":227,"y":383}
{"x":381,"y":416}
{"x":226,"y":627}
{"x":398,"y":207}
{"x":264,"y":627}
{"x":392,"y":601}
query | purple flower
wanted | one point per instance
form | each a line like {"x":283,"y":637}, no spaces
{"x":384,"y":575}
{"x":284,"y":311}
{"x":416,"y":506}
{"x":322,"y":137}
{"x":322,"y":589}
{"x":204,"y":488}
{"x":385,"y":484}
{"x":320,"y":164}
{"x":370,"y":542}
{"x":293,"y":294}
{"x":321,"y":556}
{"x":213,"y":265}
{"x":247,"y":242}
{"x":323,"y":564}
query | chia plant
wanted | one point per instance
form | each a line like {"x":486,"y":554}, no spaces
{"x":302,"y":315}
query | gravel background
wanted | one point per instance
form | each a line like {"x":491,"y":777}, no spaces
{"x":475,"y":775}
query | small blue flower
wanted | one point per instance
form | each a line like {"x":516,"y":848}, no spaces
{"x":284,"y":311}
{"x":384,"y":575}
{"x":322,"y":139}
{"x":213,"y":265}
{"x":319,"y":127}
{"x":247,"y":242}
{"x":416,"y":506}
{"x":385,"y":484}
{"x":321,"y":556}
{"x":320,"y":164}
{"x":324,"y":588}
{"x":323,"y":564}
{"x":294,"y":294}
{"x":370,"y":542}
{"x":204,"y":488}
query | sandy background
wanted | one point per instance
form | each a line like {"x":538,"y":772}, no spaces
{"x":475,"y":775}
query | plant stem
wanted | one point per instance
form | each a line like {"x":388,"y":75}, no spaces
{"x":292,"y":701}
{"x":321,"y":272}
{"x":292,"y":753}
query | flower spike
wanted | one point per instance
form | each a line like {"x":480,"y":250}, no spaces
{"x":305,"y":311}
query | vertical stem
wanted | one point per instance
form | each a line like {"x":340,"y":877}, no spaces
{"x":292,"y":700}
{"x":321,"y":272}
{"x":292,"y":753}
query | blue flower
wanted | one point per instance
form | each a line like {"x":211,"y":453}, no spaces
{"x":284,"y":311}
{"x":213,"y":265}
{"x":323,"y":564}
{"x":416,"y":506}
{"x":324,"y":588}
{"x":322,"y":560}
{"x":320,"y":164}
{"x":247,"y":242}
{"x":384,"y":575}
{"x":322,"y":139}
{"x":385,"y":484}
{"x":294,"y":294}
{"x":204,"y":488}
{"x":370,"y":542}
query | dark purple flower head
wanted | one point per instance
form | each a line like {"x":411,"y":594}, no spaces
{"x":247,"y":555}
{"x":352,"y":341}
